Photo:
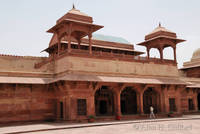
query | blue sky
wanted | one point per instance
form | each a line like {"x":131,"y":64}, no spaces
{"x":24,"y":23}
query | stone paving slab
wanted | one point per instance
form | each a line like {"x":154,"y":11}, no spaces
{"x":191,"y":126}
{"x":58,"y":126}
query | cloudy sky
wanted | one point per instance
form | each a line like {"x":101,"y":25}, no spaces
{"x":24,"y":22}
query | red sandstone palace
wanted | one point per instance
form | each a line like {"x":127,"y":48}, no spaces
{"x":88,"y":75}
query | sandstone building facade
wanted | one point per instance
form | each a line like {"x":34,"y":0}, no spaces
{"x":87,"y":74}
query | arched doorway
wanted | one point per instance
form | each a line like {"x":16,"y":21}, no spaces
{"x":104,"y":102}
{"x":198,"y":99}
{"x":150,"y":98}
{"x":128,"y":101}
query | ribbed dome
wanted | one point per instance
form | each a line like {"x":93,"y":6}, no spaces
{"x":160,"y":31}
{"x":75,"y":14}
{"x":75,"y":11}
{"x":196,"y":54}
{"x":160,"y":28}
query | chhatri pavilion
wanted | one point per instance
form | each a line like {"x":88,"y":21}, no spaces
{"x":90,"y":74}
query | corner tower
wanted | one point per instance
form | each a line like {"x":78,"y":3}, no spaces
{"x":161,"y":38}
{"x":74,"y":24}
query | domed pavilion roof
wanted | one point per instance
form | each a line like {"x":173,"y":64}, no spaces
{"x":168,"y":38}
{"x":194,"y":62}
{"x":196,"y":54}
{"x":160,"y":28}
{"x":160,"y":31}
{"x":75,"y":14}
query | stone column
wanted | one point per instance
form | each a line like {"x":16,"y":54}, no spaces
{"x":69,"y":37}
{"x":117,"y":103}
{"x":90,"y":42}
{"x":69,"y":43}
{"x":64,"y":109}
{"x":148,"y":55}
{"x":91,"y":105}
{"x":174,"y":48}
{"x":161,"y":53}
{"x":166,"y":99}
{"x":195,"y":101}
{"x":138,"y":103}
{"x":178,"y":98}
{"x":163,"y":99}
{"x":59,"y":45}
{"x":58,"y":110}
{"x":141,"y":103}
{"x":79,"y":43}
{"x":67,"y":105}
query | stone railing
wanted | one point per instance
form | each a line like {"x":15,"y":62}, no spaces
{"x":107,"y":55}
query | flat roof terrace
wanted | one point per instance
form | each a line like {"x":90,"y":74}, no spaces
{"x":102,"y":52}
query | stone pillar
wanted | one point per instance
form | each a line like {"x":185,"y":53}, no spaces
{"x":64,"y":109}
{"x":91,"y":106}
{"x":195,"y":101}
{"x":118,"y":103}
{"x":159,"y":103}
{"x":69,"y":37}
{"x":161,"y":53}
{"x":138,"y":103}
{"x":166,"y":99}
{"x":178,"y":98}
{"x":163,"y":100}
{"x":69,"y":43}
{"x":166,"y":104}
{"x":178,"y":101}
{"x":90,"y":42}
{"x":148,"y":55}
{"x":174,"y":48}
{"x":58,"y":109}
{"x":59,"y":45}
{"x":111,"y":52}
{"x":141,"y":103}
{"x":79,"y":43}
{"x":67,"y":105}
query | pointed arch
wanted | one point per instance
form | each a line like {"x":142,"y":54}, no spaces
{"x":151,"y":98}
{"x":128,"y":101}
{"x":154,"y":53}
{"x":104,"y":101}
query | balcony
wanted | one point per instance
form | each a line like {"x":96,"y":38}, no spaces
{"x":106,"y":55}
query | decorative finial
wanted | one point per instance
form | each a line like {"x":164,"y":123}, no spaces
{"x":73,"y":6}
{"x":159,"y":24}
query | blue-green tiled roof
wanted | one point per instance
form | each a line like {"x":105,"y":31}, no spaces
{"x":109,"y":38}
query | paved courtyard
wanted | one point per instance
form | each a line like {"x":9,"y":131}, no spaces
{"x":189,"y":124}
{"x":165,"y":127}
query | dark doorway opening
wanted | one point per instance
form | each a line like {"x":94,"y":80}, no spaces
{"x":190,"y":104}
{"x":103,"y":107}
{"x":172,"y":104}
{"x":104,"y":102}
{"x":128,"y":101}
{"x":198,"y":97}
{"x":150,"y":98}
{"x":123,"y":106}
{"x":61,"y":110}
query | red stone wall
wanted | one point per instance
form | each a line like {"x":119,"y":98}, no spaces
{"x":193,"y":72}
{"x":25,"y":103}
{"x":80,"y":90}
{"x":20,"y":102}
{"x":185,"y":95}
